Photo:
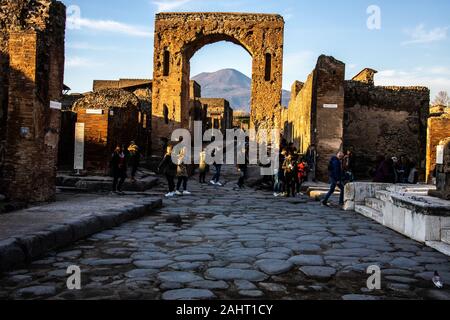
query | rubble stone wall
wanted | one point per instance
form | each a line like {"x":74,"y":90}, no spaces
{"x":388,"y":121}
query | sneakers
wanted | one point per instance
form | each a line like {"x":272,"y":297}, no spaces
{"x":212,"y":182}
{"x":170,"y":195}
{"x":219,"y":184}
{"x":276,"y":195}
{"x":179,"y":193}
{"x":186,"y":193}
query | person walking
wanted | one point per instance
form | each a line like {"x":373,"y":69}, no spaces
{"x":336,"y":177}
{"x":288,"y":168}
{"x":202,"y":168}
{"x":169,"y":169}
{"x":243,"y":169}
{"x":182,"y":174}
{"x":218,"y":168}
{"x":134,"y":156}
{"x":119,"y":169}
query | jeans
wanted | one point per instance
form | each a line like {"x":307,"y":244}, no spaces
{"x":171,"y":182}
{"x":334,"y":184}
{"x":203,"y":177}
{"x":242,"y":178}
{"x":216,"y":177}
{"x":278,"y":185}
{"x":182,"y":180}
{"x":119,"y":180}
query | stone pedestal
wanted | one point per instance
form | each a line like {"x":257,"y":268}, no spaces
{"x":443,"y":171}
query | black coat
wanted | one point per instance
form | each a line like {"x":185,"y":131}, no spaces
{"x":167,"y":167}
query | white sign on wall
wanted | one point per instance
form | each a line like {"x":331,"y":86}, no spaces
{"x":94,"y":111}
{"x":55,"y":105}
{"x":78,"y":163}
{"x":440,"y":155}
{"x":330,"y":106}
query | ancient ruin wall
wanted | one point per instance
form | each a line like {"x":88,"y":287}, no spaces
{"x":438,"y":130}
{"x":328,"y":111}
{"x":32,"y":70}
{"x":178,"y":36}
{"x":388,"y":121}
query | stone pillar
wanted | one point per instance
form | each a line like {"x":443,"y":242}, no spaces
{"x":443,"y":172}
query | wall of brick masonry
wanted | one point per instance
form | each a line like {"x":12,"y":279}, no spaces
{"x":117,"y":124}
{"x":438,"y":130}
{"x":388,"y":121}
{"x":32,"y":67}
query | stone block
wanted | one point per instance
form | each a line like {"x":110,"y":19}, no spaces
{"x":11,"y":254}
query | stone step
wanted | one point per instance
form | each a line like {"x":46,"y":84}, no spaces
{"x":375,"y":204}
{"x":370,"y":213}
{"x":445,"y":235}
{"x":382,"y":195}
{"x":439,"y":246}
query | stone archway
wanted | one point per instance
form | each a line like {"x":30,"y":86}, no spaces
{"x":178,"y":36}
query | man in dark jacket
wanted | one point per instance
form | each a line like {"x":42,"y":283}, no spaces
{"x":118,"y":168}
{"x":169,"y":169}
{"x":336,"y":177}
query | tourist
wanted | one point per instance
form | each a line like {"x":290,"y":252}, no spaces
{"x":336,"y":176}
{"x":202,"y":167}
{"x":413,"y":177}
{"x":311,"y":158}
{"x":218,"y":168}
{"x":168,"y":168}
{"x":182,"y":174}
{"x":134,"y":158}
{"x":119,"y":169}
{"x":288,"y":168}
{"x":279,"y":175}
{"x":385,"y":172}
{"x":348,"y":167}
{"x":243,"y":169}
{"x":302,"y":173}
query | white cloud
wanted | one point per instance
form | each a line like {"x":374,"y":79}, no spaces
{"x":79,"y":62}
{"x":168,"y":5}
{"x":88,"y":46}
{"x":108,"y":26}
{"x":420,"y":35}
{"x":436,"y":78}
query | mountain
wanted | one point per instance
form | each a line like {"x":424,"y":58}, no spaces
{"x":231,"y":85}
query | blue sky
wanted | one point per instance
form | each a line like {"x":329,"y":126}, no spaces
{"x":110,"y":39}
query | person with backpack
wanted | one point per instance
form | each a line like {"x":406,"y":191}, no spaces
{"x":288,"y":168}
{"x":336,"y":178}
{"x":182,"y":174}
{"x":169,"y":170}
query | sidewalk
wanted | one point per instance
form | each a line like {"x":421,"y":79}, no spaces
{"x":28,"y":234}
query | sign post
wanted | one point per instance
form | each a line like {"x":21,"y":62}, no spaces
{"x":78,"y":162}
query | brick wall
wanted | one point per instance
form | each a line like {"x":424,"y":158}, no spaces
{"x":32,"y":63}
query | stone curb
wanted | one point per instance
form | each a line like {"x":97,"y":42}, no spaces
{"x":23,"y":249}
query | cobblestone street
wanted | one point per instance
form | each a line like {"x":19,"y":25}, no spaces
{"x":237,"y":245}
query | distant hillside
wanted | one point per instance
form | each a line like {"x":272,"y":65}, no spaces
{"x":232,"y":85}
